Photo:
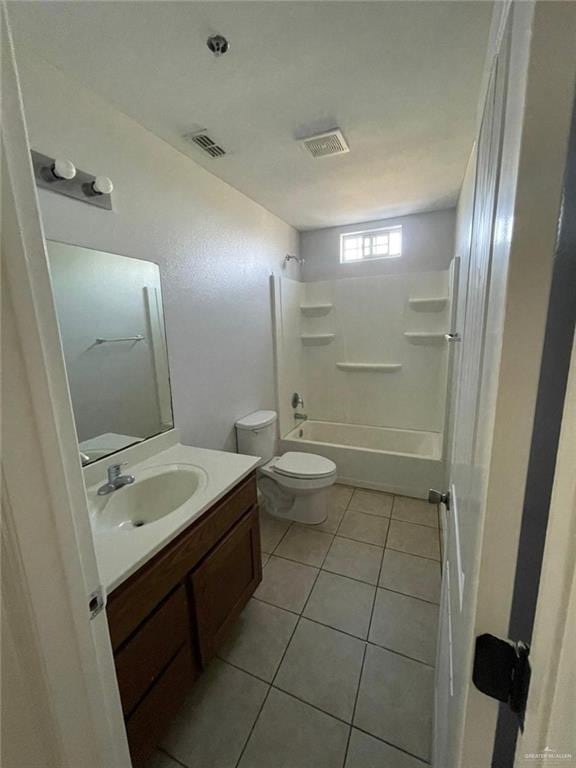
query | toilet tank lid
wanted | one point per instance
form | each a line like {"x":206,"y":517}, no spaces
{"x":256,"y":420}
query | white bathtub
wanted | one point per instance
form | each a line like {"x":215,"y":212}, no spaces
{"x":402,"y":461}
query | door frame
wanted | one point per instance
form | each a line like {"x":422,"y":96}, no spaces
{"x":65,"y":678}
{"x":548,"y":418}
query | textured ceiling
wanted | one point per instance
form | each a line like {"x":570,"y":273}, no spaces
{"x":401,"y":80}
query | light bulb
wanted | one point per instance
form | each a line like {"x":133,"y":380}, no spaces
{"x":64,"y":169}
{"x":102,"y":185}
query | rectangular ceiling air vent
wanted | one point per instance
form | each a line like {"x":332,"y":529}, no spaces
{"x":326,"y":144}
{"x":206,"y":144}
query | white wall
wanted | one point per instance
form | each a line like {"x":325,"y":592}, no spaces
{"x":216,"y":248}
{"x":369,"y":317}
{"x":427,"y":244}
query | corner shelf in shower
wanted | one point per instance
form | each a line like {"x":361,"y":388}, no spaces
{"x":315,"y":310}
{"x":425,"y":337}
{"x":370,"y":367}
{"x":317,"y":339}
{"x":433,"y":304}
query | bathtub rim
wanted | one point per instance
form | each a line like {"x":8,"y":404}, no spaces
{"x":436,"y":456}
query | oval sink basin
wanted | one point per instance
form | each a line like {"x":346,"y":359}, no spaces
{"x":156,"y":493}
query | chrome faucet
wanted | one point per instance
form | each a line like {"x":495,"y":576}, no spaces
{"x":300,"y":416}
{"x":116,"y":480}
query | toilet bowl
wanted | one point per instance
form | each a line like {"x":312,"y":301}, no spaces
{"x":293,"y":486}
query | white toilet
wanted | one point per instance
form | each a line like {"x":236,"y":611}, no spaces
{"x":293,"y":486}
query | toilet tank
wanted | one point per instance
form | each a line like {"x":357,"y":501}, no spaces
{"x":256,"y":434}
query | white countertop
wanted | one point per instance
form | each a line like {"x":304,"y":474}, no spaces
{"x":120,"y":553}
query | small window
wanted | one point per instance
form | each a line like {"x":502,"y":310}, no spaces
{"x":371,"y":244}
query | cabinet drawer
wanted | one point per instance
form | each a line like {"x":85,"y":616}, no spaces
{"x":147,"y":724}
{"x":146,"y":654}
{"x":223,"y":583}
{"x":132,"y":601}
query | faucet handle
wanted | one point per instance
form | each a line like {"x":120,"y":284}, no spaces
{"x":297,"y":400}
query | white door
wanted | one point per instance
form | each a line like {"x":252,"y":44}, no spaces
{"x":461,"y":516}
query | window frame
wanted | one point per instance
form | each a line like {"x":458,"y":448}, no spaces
{"x":373,"y":233}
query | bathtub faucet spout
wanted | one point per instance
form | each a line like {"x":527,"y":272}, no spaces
{"x":300,"y":416}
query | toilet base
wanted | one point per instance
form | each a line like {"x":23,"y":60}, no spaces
{"x":306,"y":508}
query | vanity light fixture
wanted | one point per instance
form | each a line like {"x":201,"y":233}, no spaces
{"x":62,"y":176}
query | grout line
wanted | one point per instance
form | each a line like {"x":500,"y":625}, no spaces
{"x":246,"y":671}
{"x":274,"y":605}
{"x":161,"y":749}
{"x":300,"y":562}
{"x":360,"y":541}
{"x":370,"y":514}
{"x":399,"y":653}
{"x":250,"y":732}
{"x":407,"y":594}
{"x":411,"y":522}
{"x":391,"y":744}
{"x":356,"y":698}
{"x":281,"y":539}
{"x":352,"y":578}
{"x":413,"y":554}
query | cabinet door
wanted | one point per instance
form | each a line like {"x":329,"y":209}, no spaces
{"x":223,"y":583}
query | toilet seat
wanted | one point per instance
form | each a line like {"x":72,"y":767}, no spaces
{"x":304,"y":466}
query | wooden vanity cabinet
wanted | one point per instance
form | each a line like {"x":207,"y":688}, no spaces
{"x":168,"y":619}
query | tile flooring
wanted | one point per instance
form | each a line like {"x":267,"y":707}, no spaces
{"x":331,"y":663}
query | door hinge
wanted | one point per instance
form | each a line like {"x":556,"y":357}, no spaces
{"x":437,"y":497}
{"x":96,"y":602}
{"x":502,"y":671}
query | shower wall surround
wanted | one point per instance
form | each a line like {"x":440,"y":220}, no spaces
{"x":366,"y":351}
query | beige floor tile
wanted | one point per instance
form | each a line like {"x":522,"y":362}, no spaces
{"x":405,"y":624}
{"x":290,"y":734}
{"x":415,"y":511}
{"x":395,"y":701}
{"x":286,"y":584}
{"x":322,"y":667}
{"x":259,"y":639}
{"x":213,"y":725}
{"x":341,"y":603}
{"x":355,"y":559}
{"x":411,"y":575}
{"x":271,"y":531}
{"x":414,"y":539}
{"x":340,"y":495}
{"x":265,"y":557}
{"x":367,"y":752}
{"x":305,"y":545}
{"x":361,"y":527}
{"x":371,"y":502}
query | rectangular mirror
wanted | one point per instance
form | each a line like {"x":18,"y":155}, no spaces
{"x":112,"y":326}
